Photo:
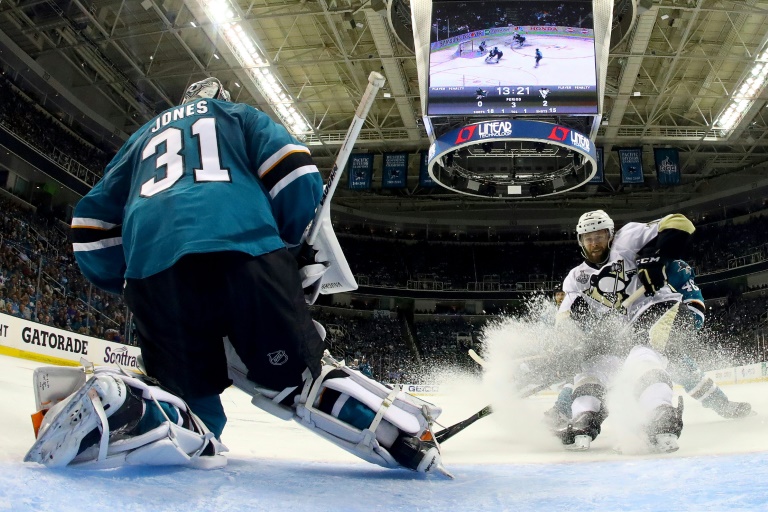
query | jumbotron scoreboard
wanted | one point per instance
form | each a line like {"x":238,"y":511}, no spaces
{"x":513,"y":99}
{"x":502,"y":57}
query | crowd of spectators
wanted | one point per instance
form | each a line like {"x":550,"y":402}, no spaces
{"x":444,"y":342}
{"x":377,"y":339}
{"x":21,"y":113}
{"x":733,"y":326}
{"x":714,"y":247}
{"x":40,"y":281}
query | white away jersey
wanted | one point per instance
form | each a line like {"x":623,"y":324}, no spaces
{"x":607,"y":287}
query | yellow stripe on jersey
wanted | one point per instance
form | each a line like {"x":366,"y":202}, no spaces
{"x":677,"y":221}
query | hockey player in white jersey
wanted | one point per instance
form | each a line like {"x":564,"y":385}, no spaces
{"x":614,"y":267}
{"x":682,"y":368}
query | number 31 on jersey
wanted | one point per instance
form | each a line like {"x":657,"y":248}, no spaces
{"x":204,"y":131}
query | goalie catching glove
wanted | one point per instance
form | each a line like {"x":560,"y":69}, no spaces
{"x":652,"y":273}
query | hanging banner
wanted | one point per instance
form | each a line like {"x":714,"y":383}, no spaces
{"x":667,"y":165}
{"x":360,"y":169}
{"x":395,"y":170}
{"x":425,"y":180}
{"x":631,"y":161}
{"x":599,"y":176}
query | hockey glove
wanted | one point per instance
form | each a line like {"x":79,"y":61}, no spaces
{"x":311,"y":272}
{"x":652,"y":274}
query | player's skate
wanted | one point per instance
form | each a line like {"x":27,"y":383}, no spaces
{"x":665,"y":428}
{"x":729,"y":409}
{"x":579,"y":434}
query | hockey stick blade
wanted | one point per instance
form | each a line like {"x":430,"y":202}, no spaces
{"x":454,"y":429}
{"x":482,"y":362}
{"x":476,"y":357}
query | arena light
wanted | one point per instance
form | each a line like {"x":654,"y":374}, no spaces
{"x":745,"y":94}
{"x":246,"y":50}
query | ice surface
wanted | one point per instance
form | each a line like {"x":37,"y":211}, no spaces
{"x":503,"y":462}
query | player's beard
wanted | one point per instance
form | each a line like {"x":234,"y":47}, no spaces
{"x":597,"y":255}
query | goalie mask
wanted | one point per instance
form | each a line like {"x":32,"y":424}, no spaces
{"x":211,"y":87}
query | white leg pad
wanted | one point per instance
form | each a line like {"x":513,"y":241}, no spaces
{"x":67,"y":424}
{"x":396,"y":412}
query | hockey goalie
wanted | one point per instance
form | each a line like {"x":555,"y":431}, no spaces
{"x":213,"y":222}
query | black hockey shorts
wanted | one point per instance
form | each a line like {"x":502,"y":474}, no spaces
{"x":183,"y":313}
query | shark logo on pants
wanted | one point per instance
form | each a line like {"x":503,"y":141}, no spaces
{"x":278,"y":358}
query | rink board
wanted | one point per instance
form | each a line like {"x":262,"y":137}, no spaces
{"x":38,"y":342}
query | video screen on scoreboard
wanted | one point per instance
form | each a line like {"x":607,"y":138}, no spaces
{"x":512,"y":57}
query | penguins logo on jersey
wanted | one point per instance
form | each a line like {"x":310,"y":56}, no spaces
{"x":609,"y":285}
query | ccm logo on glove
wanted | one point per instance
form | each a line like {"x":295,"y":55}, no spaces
{"x":652,"y":274}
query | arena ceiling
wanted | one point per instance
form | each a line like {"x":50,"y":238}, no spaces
{"x":674,"y":67}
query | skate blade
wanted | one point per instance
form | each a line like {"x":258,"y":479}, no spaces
{"x":580,"y":444}
{"x":60,"y":431}
{"x":665,"y":443}
{"x":441,"y":469}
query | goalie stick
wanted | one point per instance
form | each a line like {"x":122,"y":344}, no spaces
{"x":331,"y":273}
{"x":449,"y":432}
{"x":375,"y":82}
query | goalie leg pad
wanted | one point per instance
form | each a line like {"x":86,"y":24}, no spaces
{"x":380,"y":425}
{"x":100,"y":425}
{"x":53,"y":384}
{"x":71,"y":421}
{"x":365,"y":418}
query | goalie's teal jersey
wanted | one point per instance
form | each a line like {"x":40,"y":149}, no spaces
{"x":203,"y":177}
